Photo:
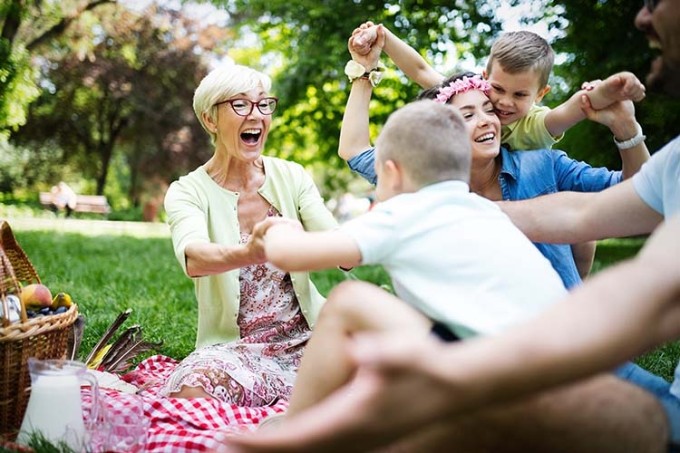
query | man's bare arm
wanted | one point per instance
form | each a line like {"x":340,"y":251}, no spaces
{"x":571,"y":217}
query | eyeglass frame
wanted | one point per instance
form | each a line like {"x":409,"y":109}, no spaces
{"x":651,"y":5}
{"x":252,"y":105}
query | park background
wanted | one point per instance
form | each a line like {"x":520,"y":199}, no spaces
{"x":98,"y":93}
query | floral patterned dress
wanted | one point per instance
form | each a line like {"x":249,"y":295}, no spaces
{"x":260,"y":367}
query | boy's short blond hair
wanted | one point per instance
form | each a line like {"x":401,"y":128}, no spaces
{"x":221,"y":84}
{"x":521,"y":51}
{"x":430,"y":142}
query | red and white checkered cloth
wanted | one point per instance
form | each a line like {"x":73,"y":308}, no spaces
{"x":185,"y":425}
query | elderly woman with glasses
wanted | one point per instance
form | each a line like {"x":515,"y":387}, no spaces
{"x":253,"y":319}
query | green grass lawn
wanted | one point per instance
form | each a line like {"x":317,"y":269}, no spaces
{"x":106,"y":274}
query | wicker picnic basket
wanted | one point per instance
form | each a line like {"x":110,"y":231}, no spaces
{"x":43,"y":337}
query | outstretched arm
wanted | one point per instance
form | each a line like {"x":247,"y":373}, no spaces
{"x":571,"y":217}
{"x":354,"y":133}
{"x":619,"y":87}
{"x":291,"y":249}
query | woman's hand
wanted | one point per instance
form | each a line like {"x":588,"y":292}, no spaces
{"x":366,"y":44}
{"x":256,"y":245}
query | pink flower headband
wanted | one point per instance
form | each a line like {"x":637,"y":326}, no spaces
{"x":461,"y":86}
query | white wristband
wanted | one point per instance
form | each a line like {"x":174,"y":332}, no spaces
{"x":632,"y":142}
{"x":354,"y":70}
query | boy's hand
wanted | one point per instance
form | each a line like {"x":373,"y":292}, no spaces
{"x":256,"y":243}
{"x":622,"y":86}
{"x":369,"y":60}
{"x":363,"y":38}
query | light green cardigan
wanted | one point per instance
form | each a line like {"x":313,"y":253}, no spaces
{"x":199,"y":210}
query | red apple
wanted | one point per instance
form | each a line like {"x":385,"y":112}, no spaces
{"x":36,"y":295}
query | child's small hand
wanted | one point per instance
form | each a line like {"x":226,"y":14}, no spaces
{"x":363,"y":38}
{"x":630,"y":86}
{"x":373,"y":39}
{"x":622,"y":86}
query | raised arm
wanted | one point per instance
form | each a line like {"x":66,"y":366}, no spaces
{"x":404,"y":56}
{"x":354,"y":133}
{"x":571,"y":217}
{"x":410,"y":61}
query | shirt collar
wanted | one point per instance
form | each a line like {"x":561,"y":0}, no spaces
{"x":447,"y":186}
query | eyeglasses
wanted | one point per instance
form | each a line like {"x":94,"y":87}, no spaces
{"x":651,"y":4}
{"x":244,"y":107}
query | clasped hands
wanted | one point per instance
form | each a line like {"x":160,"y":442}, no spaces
{"x":256,"y":243}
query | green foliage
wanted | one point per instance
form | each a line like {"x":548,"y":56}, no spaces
{"x":107,"y":81}
{"x":23,"y":169}
{"x":17,"y":87}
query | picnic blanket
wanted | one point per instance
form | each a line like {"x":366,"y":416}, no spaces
{"x":184,"y":425}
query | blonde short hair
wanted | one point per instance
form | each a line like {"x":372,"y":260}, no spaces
{"x":429,"y":140}
{"x":521,"y":51}
{"x":222,"y":83}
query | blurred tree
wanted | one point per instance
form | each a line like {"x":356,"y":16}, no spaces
{"x":25,"y":26}
{"x":122,"y":81}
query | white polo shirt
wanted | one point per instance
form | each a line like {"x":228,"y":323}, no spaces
{"x":457,"y":257}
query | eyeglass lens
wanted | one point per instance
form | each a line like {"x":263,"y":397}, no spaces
{"x":244,"y":107}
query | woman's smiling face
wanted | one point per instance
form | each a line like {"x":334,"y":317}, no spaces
{"x":482,"y":123}
{"x":243,"y":136}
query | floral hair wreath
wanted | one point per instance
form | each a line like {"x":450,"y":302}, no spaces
{"x":462,"y":85}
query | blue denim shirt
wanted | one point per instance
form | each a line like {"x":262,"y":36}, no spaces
{"x":529,"y":174}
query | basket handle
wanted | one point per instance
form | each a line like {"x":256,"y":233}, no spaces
{"x":7,"y":277}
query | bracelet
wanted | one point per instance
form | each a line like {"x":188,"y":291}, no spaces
{"x":354,"y":70}
{"x":632,"y":142}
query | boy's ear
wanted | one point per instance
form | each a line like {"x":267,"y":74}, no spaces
{"x":485,"y":76}
{"x":394,"y":173}
{"x":542,"y":93}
